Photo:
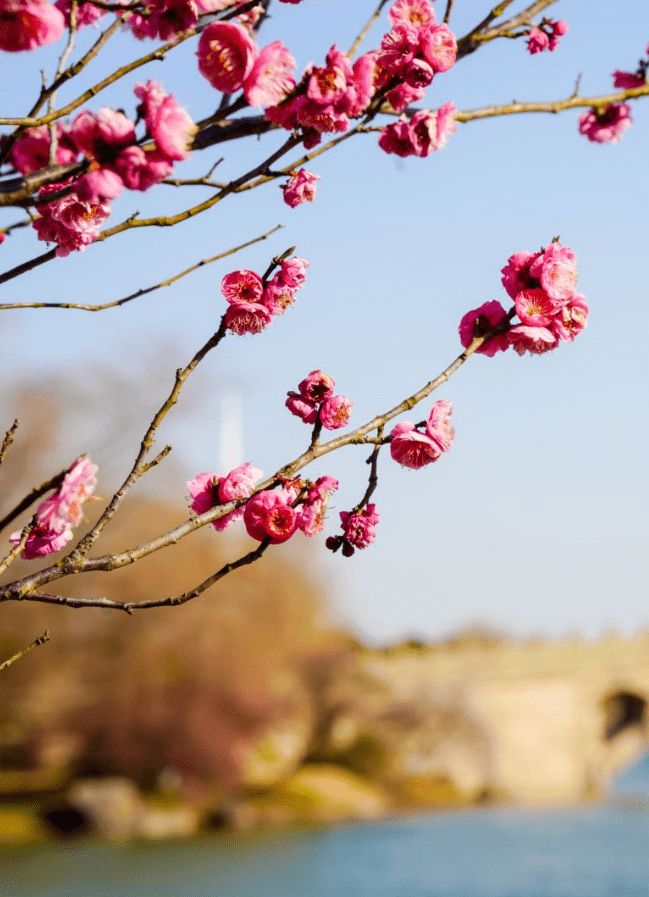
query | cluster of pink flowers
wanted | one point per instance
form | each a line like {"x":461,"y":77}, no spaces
{"x":300,"y":187}
{"x":277,"y":514}
{"x":108,"y":141}
{"x":421,"y":135}
{"x":413,"y":448}
{"x":208,"y":490}
{"x":27,"y":24}
{"x":546,"y":35}
{"x":253,"y":301}
{"x":315,"y":401}
{"x":359,"y":530}
{"x":58,"y":514}
{"x":230,"y":60}
{"x":606,"y":125}
{"x":542,"y":285}
{"x":273,"y":514}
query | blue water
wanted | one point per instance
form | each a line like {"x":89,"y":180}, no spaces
{"x":599,"y":851}
{"x":596,"y":851}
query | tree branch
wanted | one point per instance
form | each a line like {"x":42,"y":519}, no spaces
{"x":35,"y":644}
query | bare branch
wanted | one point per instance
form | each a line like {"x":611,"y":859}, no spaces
{"x":9,"y":438}
{"x":144,"y":291}
{"x":35,"y":644}
{"x":367,"y":28}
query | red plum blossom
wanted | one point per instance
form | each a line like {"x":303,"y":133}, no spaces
{"x":481,"y":320}
{"x":269,"y":515}
{"x":248,"y":317}
{"x":300,"y":188}
{"x":226,"y":54}
{"x":70,"y":222}
{"x":27,"y":24}
{"x":412,"y":448}
{"x":31,"y":151}
{"x":209,"y":490}
{"x":438,"y":425}
{"x":606,"y":125}
{"x":168,"y":124}
{"x":242,"y":286}
{"x":317,"y":387}
{"x":271,"y":76}
{"x":306,"y":410}
{"x":335,"y":412}
{"x":412,"y":12}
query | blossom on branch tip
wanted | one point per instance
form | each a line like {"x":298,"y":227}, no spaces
{"x":359,"y":530}
{"x":606,"y":125}
{"x":546,"y":36}
{"x":248,"y":317}
{"x":412,"y":12}
{"x":167,"y":123}
{"x":412,"y":448}
{"x":271,"y":76}
{"x":300,"y":188}
{"x":292,"y":272}
{"x":438,"y":426}
{"x":242,"y":286}
{"x":423,"y":134}
{"x":317,"y":387}
{"x":306,"y":410}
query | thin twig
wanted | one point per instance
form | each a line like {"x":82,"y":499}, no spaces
{"x":145,"y":290}
{"x":35,"y":644}
{"x":53,"y":483}
{"x":447,"y":14}
{"x":8,"y":559}
{"x":367,"y":28}
{"x":9,"y":438}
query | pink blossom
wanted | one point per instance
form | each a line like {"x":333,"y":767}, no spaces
{"x":292,"y":272}
{"x":364,"y":75}
{"x":317,"y":387}
{"x":359,"y":528}
{"x":27,"y":24}
{"x":412,"y":448}
{"x":277,"y":297}
{"x":439,"y":47}
{"x":571,"y":319}
{"x":627,"y":80}
{"x":412,"y":12}
{"x":56,"y":516}
{"x":86,"y":14}
{"x":31,"y":151}
{"x":98,"y":185}
{"x":396,"y":138}
{"x":167,"y":123}
{"x":329,"y":84}
{"x":100,"y":135}
{"x":425,"y":133}
{"x":248,"y":317}
{"x":311,"y":514}
{"x":481,"y":320}
{"x":243,"y":286}
{"x":445,"y":124}
{"x":70,"y":222}
{"x":556,"y":269}
{"x":401,"y":96}
{"x":271,"y":76}
{"x":516,"y":273}
{"x":538,"y":41}
{"x":303,"y":408}
{"x":3,"y":237}
{"x":163,"y":19}
{"x":269,"y":515}
{"x":300,"y":188}
{"x":209,"y":490}
{"x":141,"y":169}
{"x":607,"y":125}
{"x":534,"y":340}
{"x":335,"y":412}
{"x":535,"y":308}
{"x":398,"y":48}
{"x":226,"y":54}
{"x":439,"y":427}
{"x":419,"y":74}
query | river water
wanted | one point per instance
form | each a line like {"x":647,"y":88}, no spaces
{"x":601,"y":850}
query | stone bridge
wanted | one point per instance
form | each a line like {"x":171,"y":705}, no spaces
{"x":543,"y":721}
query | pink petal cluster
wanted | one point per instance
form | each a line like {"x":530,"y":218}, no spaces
{"x":424,"y":133}
{"x":253,"y":303}
{"x":248,"y":18}
{"x":230,"y":60}
{"x":313,"y":510}
{"x":315,"y":401}
{"x":31,"y":151}
{"x":27,"y":24}
{"x":628,"y":80}
{"x":58,"y":514}
{"x":166,"y":122}
{"x":359,"y":530}
{"x":71,"y":222}
{"x":413,"y":448}
{"x":300,"y":187}
{"x":606,"y":125}
{"x":86,"y":13}
{"x":546,"y":36}
{"x":328,"y":96}
{"x":542,"y":285}
{"x":163,"y":19}
{"x":271,"y":515}
{"x":209,"y":490}
{"x":417,"y":48}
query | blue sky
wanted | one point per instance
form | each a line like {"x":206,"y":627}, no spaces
{"x":536,"y":521}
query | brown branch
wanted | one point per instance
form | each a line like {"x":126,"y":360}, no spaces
{"x":28,"y":266}
{"x":471,"y":41}
{"x":9,"y":438}
{"x":447,"y":14}
{"x":35,"y":644}
{"x":367,"y":28}
{"x":145,"y":290}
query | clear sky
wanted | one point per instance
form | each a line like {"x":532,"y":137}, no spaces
{"x":536,"y":521}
